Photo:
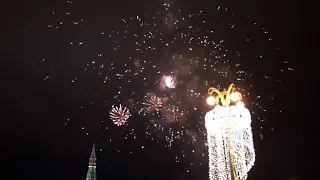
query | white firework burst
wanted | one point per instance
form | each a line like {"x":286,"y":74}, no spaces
{"x":170,"y":82}
{"x":119,"y":115}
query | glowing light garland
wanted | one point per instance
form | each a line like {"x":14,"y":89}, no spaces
{"x":230,"y":140}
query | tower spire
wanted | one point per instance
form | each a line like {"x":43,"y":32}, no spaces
{"x":93,"y":151}
{"x":91,"y":175}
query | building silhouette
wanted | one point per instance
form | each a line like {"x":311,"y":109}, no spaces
{"x":92,"y":175}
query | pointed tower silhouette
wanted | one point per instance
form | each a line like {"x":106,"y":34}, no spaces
{"x":91,"y":175}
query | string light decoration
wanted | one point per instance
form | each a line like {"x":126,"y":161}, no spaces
{"x":230,"y":140}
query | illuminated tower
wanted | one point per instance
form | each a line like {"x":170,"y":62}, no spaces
{"x":91,"y":175}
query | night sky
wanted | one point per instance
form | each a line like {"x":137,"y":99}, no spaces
{"x":68,"y":62}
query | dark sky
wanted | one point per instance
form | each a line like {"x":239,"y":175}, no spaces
{"x":41,"y":146}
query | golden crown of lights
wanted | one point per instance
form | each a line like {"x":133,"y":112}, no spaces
{"x":225,"y":97}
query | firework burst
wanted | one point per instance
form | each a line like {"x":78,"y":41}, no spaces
{"x":172,"y":113}
{"x":119,"y":115}
{"x":168,"y":82}
{"x":153,"y":103}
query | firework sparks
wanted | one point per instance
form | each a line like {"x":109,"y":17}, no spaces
{"x":153,"y":103}
{"x":172,"y":113}
{"x":119,"y":115}
{"x":187,"y":55}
